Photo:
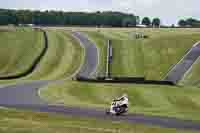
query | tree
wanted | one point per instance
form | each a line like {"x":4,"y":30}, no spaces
{"x":190,"y":22}
{"x":182,"y":23}
{"x":156,"y":22}
{"x":146,"y":21}
{"x":137,"y":20}
{"x":193,"y":22}
{"x":128,"y":22}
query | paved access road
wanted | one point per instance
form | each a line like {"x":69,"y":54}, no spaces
{"x":179,"y":70}
{"x":91,"y":56}
{"x":25,"y":96}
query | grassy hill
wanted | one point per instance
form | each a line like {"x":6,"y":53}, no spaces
{"x":18,"y":50}
{"x":59,"y":59}
{"x":58,"y":62}
{"x":13,"y":121}
{"x":162,"y":53}
{"x":151,"y":57}
{"x":127,"y":54}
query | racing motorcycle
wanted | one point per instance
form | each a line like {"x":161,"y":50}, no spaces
{"x":118,"y":106}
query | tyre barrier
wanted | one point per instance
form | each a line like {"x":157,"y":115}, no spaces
{"x":129,"y":80}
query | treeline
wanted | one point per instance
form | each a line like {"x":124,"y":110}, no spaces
{"x":190,"y":22}
{"x":113,"y":19}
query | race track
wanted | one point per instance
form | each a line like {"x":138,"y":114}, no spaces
{"x":179,"y":70}
{"x":25,"y":96}
{"x":91,"y":56}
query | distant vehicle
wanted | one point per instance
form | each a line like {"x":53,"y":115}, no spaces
{"x":141,"y":26}
{"x":26,"y":25}
{"x":119,"y":106}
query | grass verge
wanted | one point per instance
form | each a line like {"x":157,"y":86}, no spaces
{"x":162,"y":53}
{"x":59,"y":60}
{"x":127,"y":55}
{"x":13,"y":121}
{"x":152,"y":57}
{"x":18,"y":50}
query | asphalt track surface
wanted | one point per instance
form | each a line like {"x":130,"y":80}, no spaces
{"x":179,"y":70}
{"x":25,"y":96}
{"x":89,"y":66}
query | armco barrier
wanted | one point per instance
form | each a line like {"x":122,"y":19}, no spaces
{"x":121,"y":78}
{"x":125,"y":80}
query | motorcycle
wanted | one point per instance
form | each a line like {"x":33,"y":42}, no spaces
{"x":118,"y":107}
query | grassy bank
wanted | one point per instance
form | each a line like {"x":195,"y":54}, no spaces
{"x":58,"y":62}
{"x":152,"y":57}
{"x":13,"y":121}
{"x":59,"y":59}
{"x":127,"y":55}
{"x":162,"y":53}
{"x":18,"y":50}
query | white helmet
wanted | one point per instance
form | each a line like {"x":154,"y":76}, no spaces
{"x":125,"y":95}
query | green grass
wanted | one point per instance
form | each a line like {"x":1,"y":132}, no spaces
{"x":162,"y":53}
{"x":127,"y":55}
{"x":58,"y":62}
{"x":128,"y":59}
{"x":13,"y":121}
{"x":192,"y":76}
{"x":180,"y":102}
{"x":18,"y":50}
{"x":152,"y":57}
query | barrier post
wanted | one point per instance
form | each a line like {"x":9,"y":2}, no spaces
{"x":109,"y":59}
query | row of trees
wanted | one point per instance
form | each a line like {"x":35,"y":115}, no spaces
{"x":111,"y":19}
{"x":114,"y":19}
{"x":190,"y":22}
{"x":147,"y":21}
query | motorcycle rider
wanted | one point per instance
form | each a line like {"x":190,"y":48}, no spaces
{"x":123,"y":103}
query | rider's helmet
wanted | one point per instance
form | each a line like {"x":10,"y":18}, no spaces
{"x":125,"y":95}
